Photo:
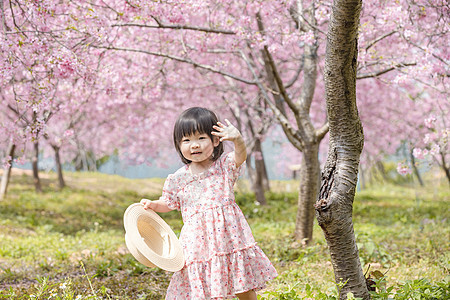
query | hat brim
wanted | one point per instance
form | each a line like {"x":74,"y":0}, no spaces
{"x":138,"y":255}
{"x":151,"y":240}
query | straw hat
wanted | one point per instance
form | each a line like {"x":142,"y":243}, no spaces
{"x":150,"y":240}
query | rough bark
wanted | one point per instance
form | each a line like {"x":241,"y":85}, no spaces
{"x":335,"y":202}
{"x":34,"y":164}
{"x":7,"y":172}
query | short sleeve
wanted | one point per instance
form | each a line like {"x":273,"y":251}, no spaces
{"x":230,"y":168}
{"x":169,"y":193}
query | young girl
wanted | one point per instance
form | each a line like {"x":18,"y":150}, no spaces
{"x":222,"y":258}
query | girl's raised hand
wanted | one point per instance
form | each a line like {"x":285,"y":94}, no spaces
{"x":226,"y":132}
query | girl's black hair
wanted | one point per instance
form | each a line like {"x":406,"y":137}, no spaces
{"x":192,"y":120}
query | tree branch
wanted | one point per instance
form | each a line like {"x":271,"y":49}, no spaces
{"x":434,"y":55}
{"x":5,"y":26}
{"x":19,"y":115}
{"x":180,"y":59}
{"x":322,"y":131}
{"x":294,"y":79}
{"x":177,"y":27}
{"x":291,"y":133}
{"x":266,"y":122}
{"x":379,"y":39}
{"x":294,"y":12}
{"x":376,"y":74}
{"x":279,"y":82}
{"x":13,"y":16}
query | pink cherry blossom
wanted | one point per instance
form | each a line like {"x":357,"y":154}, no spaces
{"x":430,"y":122}
{"x":115,"y":76}
{"x":418,"y":153}
{"x":403,"y":169}
{"x":435,"y":149}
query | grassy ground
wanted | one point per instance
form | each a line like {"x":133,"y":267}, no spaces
{"x":69,"y":244}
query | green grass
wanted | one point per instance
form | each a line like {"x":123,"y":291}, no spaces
{"x":70,"y":243}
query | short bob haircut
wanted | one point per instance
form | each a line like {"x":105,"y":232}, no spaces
{"x":192,"y":120}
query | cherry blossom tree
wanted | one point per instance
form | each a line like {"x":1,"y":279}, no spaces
{"x":238,"y":45}
{"x":145,"y":61}
{"x":39,"y":52}
{"x":433,"y":147}
{"x":275,"y":51}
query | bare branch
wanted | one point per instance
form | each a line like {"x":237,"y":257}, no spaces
{"x":379,"y":39}
{"x":13,"y":16}
{"x":296,"y":15}
{"x":294,"y":79}
{"x":306,"y":18}
{"x":265,"y":121}
{"x":433,"y":54}
{"x":291,"y":133}
{"x":128,"y":2}
{"x":177,"y":27}
{"x":180,"y":59}
{"x":431,"y":86}
{"x":322,"y":131}
{"x":274,"y":76}
{"x":5,"y":26}
{"x":376,"y":74}
{"x":19,"y":115}
{"x":279,"y":82}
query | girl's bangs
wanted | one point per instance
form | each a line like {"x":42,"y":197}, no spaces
{"x":189,"y":127}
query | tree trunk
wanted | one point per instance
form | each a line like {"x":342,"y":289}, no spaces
{"x":7,"y":172}
{"x":445,"y":167}
{"x":381,"y":170}
{"x":61,"y":182}
{"x":259,"y":189}
{"x":255,"y":183}
{"x":34,"y":164}
{"x":335,"y":203}
{"x":260,"y":166}
{"x":414,"y":167}
{"x":309,"y":187}
{"x":256,"y":174}
{"x":265,"y":180}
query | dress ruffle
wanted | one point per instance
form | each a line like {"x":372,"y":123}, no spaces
{"x":247,"y":269}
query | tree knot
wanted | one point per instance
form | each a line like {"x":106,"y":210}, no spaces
{"x":321,"y":205}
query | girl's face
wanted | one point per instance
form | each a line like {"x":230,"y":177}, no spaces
{"x":198,"y":147}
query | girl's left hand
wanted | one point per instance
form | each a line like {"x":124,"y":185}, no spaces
{"x":226,"y":132}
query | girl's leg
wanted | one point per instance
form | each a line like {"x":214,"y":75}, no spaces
{"x":250,"y":295}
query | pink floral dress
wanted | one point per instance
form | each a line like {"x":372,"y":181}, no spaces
{"x":222,"y":257}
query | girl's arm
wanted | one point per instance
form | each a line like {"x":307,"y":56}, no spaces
{"x":240,"y":151}
{"x":231,"y":133}
{"x":157,"y":205}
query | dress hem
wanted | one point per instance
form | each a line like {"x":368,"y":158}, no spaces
{"x":217,"y":254}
